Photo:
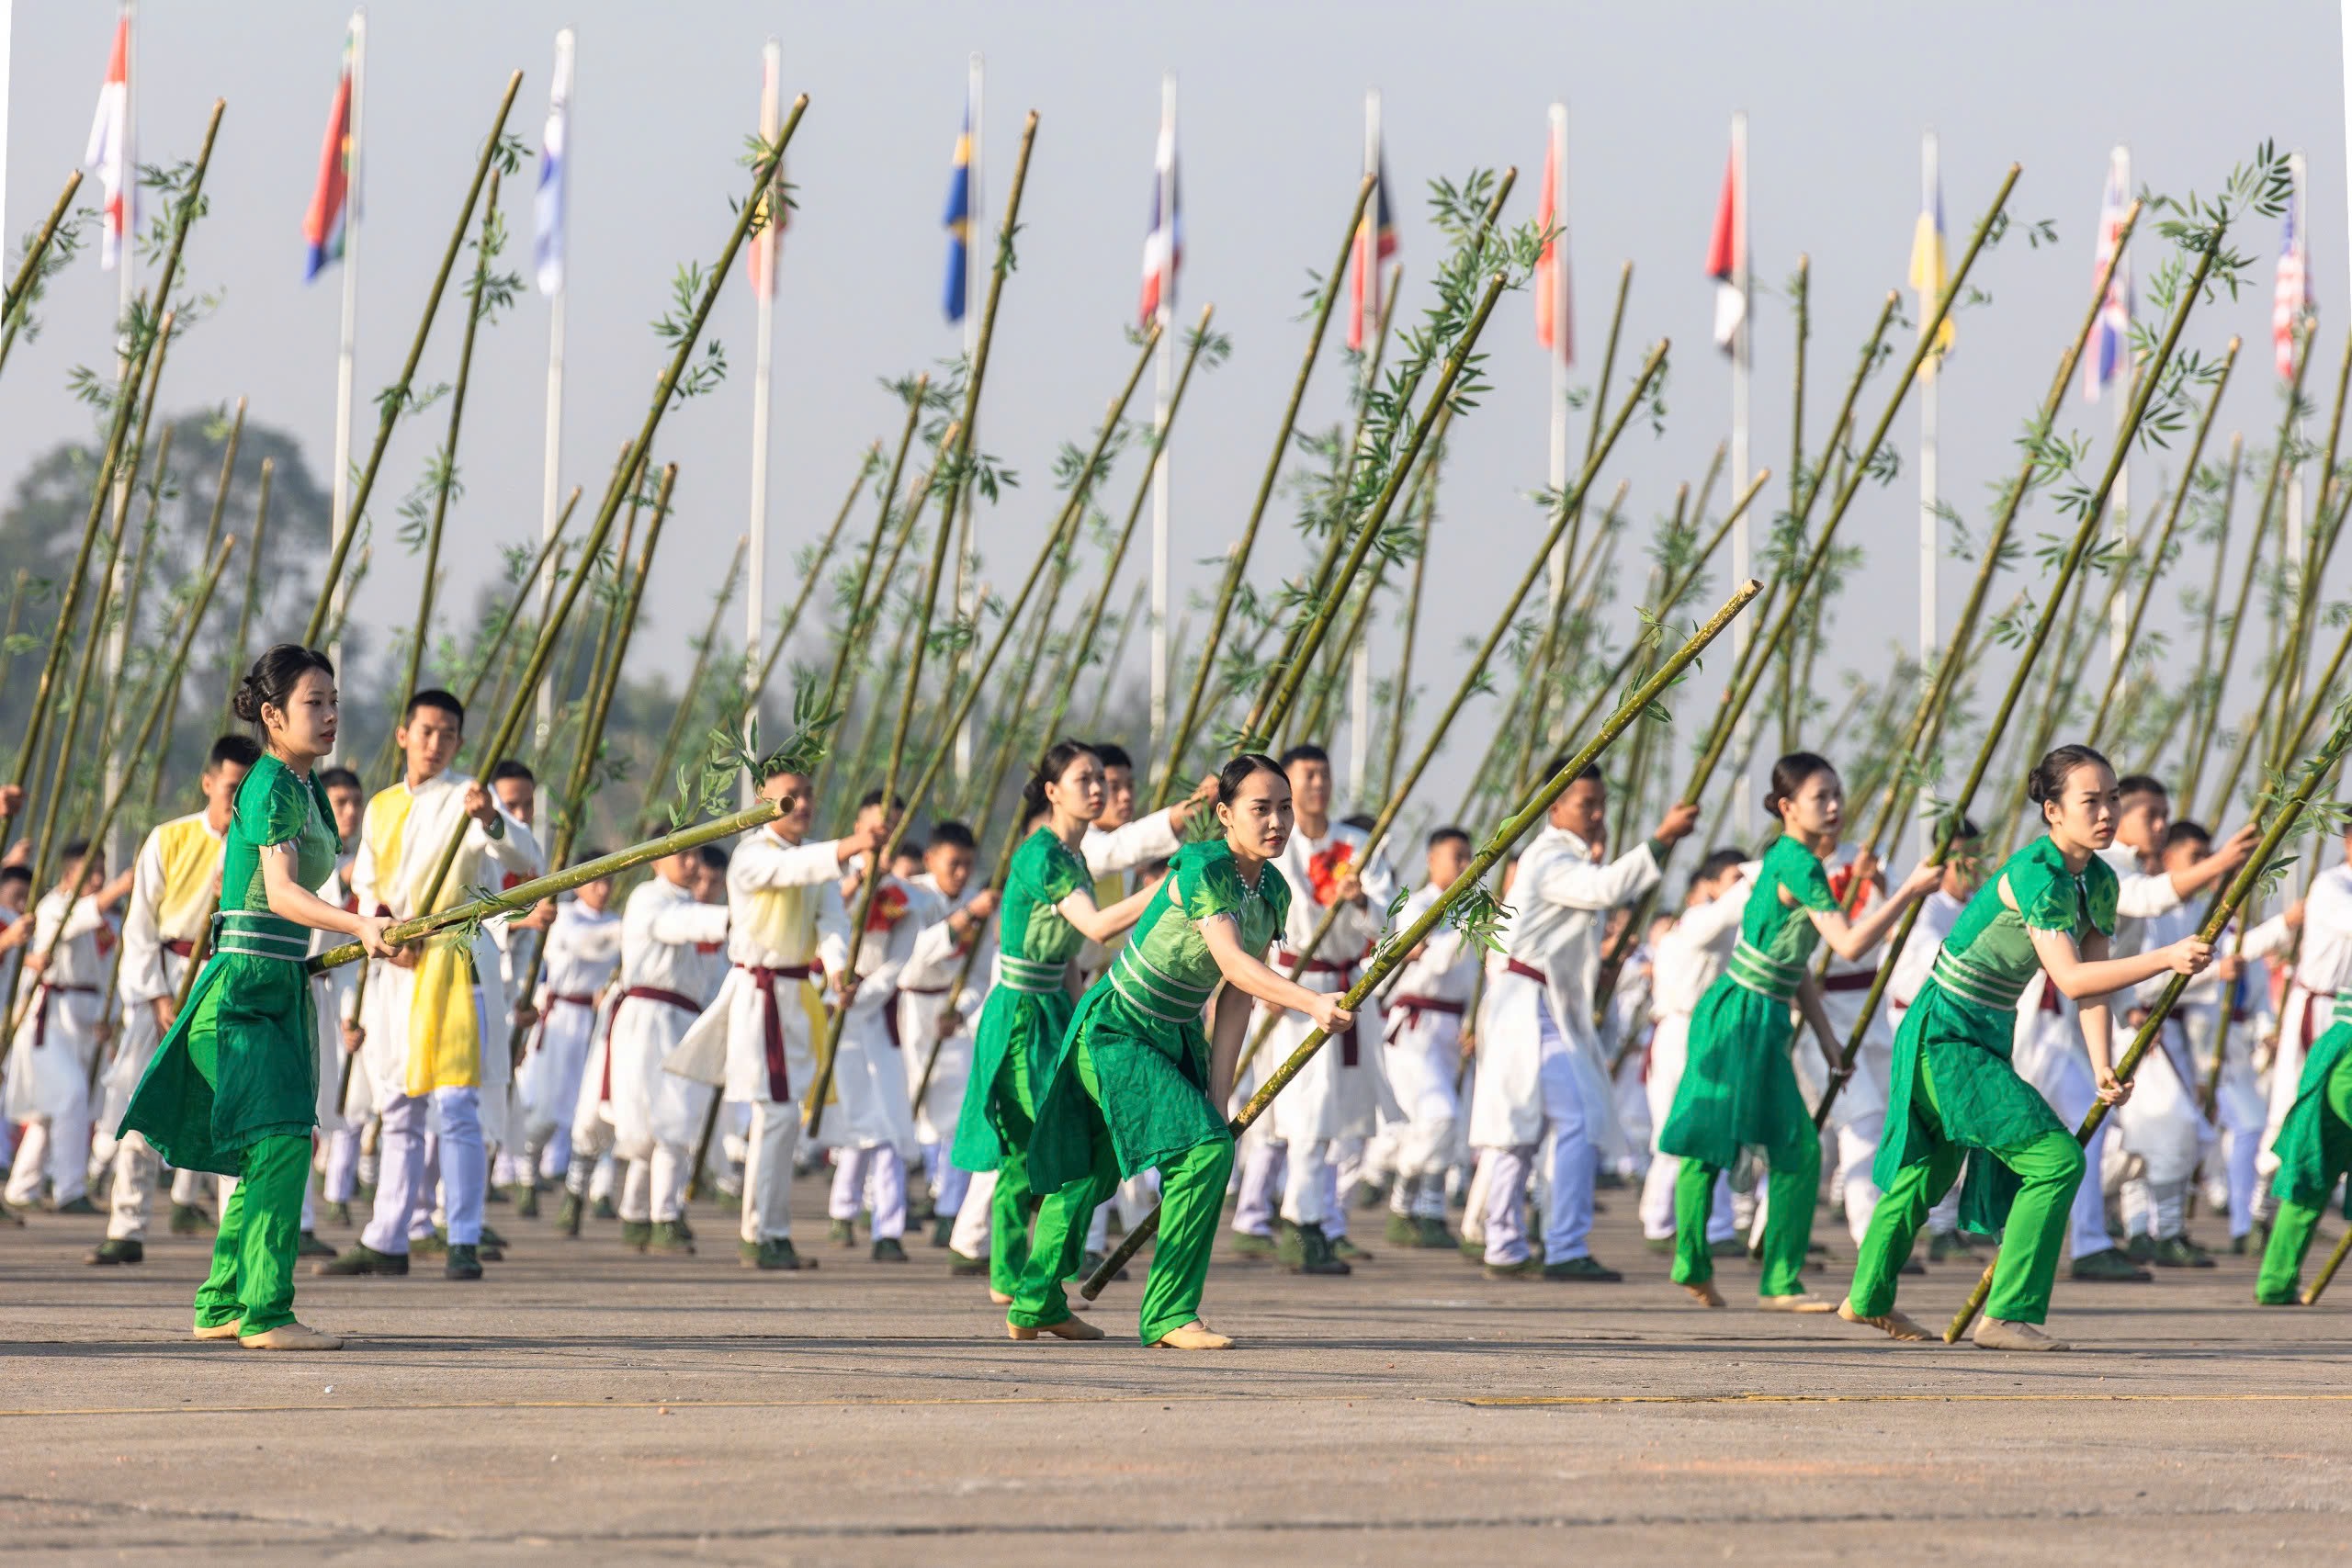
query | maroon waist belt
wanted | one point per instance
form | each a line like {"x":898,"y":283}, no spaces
{"x":771,"y":1023}
{"x":574,"y":997}
{"x":1526,"y":971}
{"x":1407,"y":1010}
{"x":41,"y":1016}
{"x":1350,"y":1053}
{"x":656,"y":994}
{"x":1852,"y":980}
{"x":179,"y":947}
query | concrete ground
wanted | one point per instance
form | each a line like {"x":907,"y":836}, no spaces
{"x":584,"y":1405}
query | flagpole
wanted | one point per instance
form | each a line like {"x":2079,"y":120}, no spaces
{"x":2295,"y":174}
{"x":976,"y":86}
{"x":1740,"y":361}
{"x":126,"y":267}
{"x":353,"y":210}
{"x":1929,"y":389}
{"x":2120,"y":504}
{"x":1556,"y":475}
{"x":7,"y":23}
{"x":1360,"y":660}
{"x":550,"y":492}
{"x":1166,"y":370}
{"x":763,"y":375}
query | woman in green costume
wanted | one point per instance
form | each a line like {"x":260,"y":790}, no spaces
{"x":1138,"y":1084}
{"x":2315,"y":1150}
{"x":1739,"y":1088}
{"x":1955,"y":1099}
{"x":234,"y":1087}
{"x":1047,"y":914}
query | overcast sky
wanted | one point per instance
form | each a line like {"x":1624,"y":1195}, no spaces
{"x":1836,"y":96}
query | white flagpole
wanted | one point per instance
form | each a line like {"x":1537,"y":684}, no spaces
{"x":762,"y":368}
{"x":2296,"y":173}
{"x":2118,"y":613}
{"x":1360,"y":660}
{"x":1166,"y":317}
{"x":353,"y":209}
{"x":1558,"y":471}
{"x":1740,"y":359}
{"x":552,"y":454}
{"x":1929,"y":390}
{"x":126,"y":269}
{"x":8,"y":21}
{"x":975,"y":84}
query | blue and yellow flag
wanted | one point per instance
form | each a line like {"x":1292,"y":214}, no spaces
{"x":1929,"y":274}
{"x":959,"y":221}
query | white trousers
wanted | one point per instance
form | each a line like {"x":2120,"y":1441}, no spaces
{"x":973,"y":1219}
{"x":404,"y":1177}
{"x":877,"y":1173}
{"x":1311,"y":1186}
{"x":130,"y":1196}
{"x":767,"y":1170}
{"x":57,"y":1147}
{"x":1565,"y":1159}
{"x":1263,"y":1166}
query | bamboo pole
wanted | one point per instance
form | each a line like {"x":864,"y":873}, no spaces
{"x":252,"y":596}
{"x":8,"y":637}
{"x":393,"y":401}
{"x":2224,"y":906}
{"x":1394,"y":952}
{"x":1237,"y":562}
{"x":193,"y":617}
{"x":2070,"y":565}
{"x":959,"y":441}
{"x":690,"y":700}
{"x":20,"y":290}
{"x":2155,"y":561}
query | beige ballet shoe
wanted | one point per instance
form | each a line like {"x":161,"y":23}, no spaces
{"x":1800,"y":1302}
{"x":290,"y":1337}
{"x":219,"y":1330}
{"x":1705,"y":1294}
{"x":2000,"y":1334}
{"x":999,"y":1298}
{"x":1194,"y":1336}
{"x":1894,"y":1324}
{"x":1067,"y":1328}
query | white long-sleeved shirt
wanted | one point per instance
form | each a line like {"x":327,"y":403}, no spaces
{"x":404,"y":833}
{"x":1938,"y":912}
{"x":2139,"y":896}
{"x":1445,"y":970}
{"x":774,"y":892}
{"x":1561,"y":898}
{"x":671,"y":940}
{"x":1303,"y":861}
{"x":172,"y":887}
{"x":1696,"y":947}
{"x":2326,"y":964}
{"x":583,"y":950}
{"x":2203,"y":993}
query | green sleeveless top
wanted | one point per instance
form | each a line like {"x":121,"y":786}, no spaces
{"x":1166,"y":971}
{"x":1034,"y":944}
{"x":1775,"y":939}
{"x":1988,"y":958}
{"x":274,"y":807}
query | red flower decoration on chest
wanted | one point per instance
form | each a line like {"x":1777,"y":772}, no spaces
{"x":1325,"y":866}
{"x":1841,"y":883}
{"x":890,"y":907}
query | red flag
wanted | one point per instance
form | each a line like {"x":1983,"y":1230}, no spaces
{"x":1726,"y":264}
{"x":1554,"y":319}
{"x":1375,"y":242}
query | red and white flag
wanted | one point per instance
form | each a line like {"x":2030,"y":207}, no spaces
{"x":1555,"y":317}
{"x":1726,"y":263}
{"x":109,"y":151}
{"x":1163,"y":244}
{"x":2292,"y":295}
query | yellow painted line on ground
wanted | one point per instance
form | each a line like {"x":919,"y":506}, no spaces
{"x":1491,"y":1402}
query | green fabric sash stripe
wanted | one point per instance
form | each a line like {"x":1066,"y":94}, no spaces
{"x":1028,"y":975}
{"x":1966,"y":981}
{"x":1752,"y":969}
{"x":259,"y":935}
{"x":1149,"y":991}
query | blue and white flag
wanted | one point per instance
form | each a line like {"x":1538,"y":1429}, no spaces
{"x":549,"y":205}
{"x":2110,"y":339}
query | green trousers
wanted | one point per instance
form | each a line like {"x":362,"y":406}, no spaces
{"x":1013,"y":1205}
{"x":253,"y":1257}
{"x":1794,"y":1188}
{"x":2291,"y":1234}
{"x":2049,"y":1166}
{"x":1191,"y":1196}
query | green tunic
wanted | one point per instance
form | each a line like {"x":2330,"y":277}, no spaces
{"x":1141,"y":1025}
{"x":2305,"y":1173}
{"x":1739,"y":1083}
{"x":1963,"y":1023}
{"x":1029,"y":1008}
{"x":242,"y":1061}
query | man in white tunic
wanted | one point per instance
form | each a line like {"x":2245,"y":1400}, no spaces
{"x":173,"y":885}
{"x":61,"y":1026}
{"x":758,"y":1038}
{"x":2321,"y":975}
{"x":934,"y":1038}
{"x":1423,"y":1053}
{"x":428,"y":1016}
{"x":1542,"y":1099}
{"x":1343,"y":1091}
{"x":584,"y":948}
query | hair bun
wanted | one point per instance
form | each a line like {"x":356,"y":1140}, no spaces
{"x":246,"y":704}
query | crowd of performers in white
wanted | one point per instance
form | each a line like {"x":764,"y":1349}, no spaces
{"x":1461,"y":1110}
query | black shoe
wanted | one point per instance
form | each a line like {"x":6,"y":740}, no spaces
{"x":1314,"y":1253}
{"x":964,"y":1267}
{"x":921,"y":1209}
{"x":942,"y":1231}
{"x":2108,"y":1266}
{"x":339,"y":1214}
{"x":81,"y":1205}
{"x":888,"y":1249}
{"x":496,"y":1194}
{"x":2179,"y":1252}
{"x":10,"y":1217}
{"x":2140,"y":1248}
{"x":118,"y":1249}
{"x":1348,"y":1251}
{"x":526,"y":1200}
{"x":362,"y":1258}
{"x":841,"y":1232}
{"x":1249,"y":1244}
{"x":431,"y":1244}
{"x":1584,"y":1270}
{"x":492,"y":1238}
{"x":1403,"y":1230}
{"x":1088,"y":1263}
{"x":601,"y":1209}
{"x":309,"y":1246}
{"x":671,"y":1237}
{"x":775,"y":1253}
{"x":636,"y":1234}
{"x":1434,"y":1236}
{"x":463,"y":1263}
{"x":567,"y":1216}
